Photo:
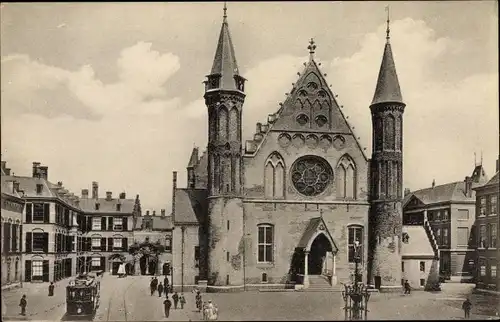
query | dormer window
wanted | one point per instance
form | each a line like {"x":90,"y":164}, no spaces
{"x":97,"y":206}
{"x":39,"y":188}
{"x":213,"y":81}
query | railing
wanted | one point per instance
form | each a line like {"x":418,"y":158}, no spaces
{"x":430,"y":234}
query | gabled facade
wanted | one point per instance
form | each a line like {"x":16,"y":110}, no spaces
{"x":294,"y":199}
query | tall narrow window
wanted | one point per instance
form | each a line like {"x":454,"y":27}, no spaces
{"x":274,"y":176}
{"x":37,"y":270}
{"x":223,"y":124}
{"x":383,"y":172}
{"x":265,"y":243}
{"x":389,"y":133}
{"x":493,"y":235}
{"x":196,"y":256}
{"x":482,"y":206}
{"x":346,"y":178}
{"x":422,"y":266}
{"x":233,"y":124}
{"x":493,"y":205}
{"x":482,"y":236}
{"x":355,"y":233}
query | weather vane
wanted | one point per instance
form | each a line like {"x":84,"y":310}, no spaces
{"x":388,"y":21}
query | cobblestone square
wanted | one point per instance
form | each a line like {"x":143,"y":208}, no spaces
{"x":129,"y":299}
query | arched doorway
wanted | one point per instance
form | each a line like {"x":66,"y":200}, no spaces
{"x":318,"y":254}
{"x":147,"y":265}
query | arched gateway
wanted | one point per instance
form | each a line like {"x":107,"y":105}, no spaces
{"x":314,"y":254}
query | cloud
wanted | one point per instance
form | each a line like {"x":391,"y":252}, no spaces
{"x":129,"y":135}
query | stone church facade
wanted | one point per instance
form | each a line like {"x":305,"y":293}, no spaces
{"x":291,"y":203}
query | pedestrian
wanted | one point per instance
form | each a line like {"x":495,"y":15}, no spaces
{"x":198,"y":300}
{"x":23,"y":304}
{"x":182,"y":300}
{"x":407,"y":287}
{"x":152,"y":285}
{"x":166,"y":305}
{"x":51,"y":289}
{"x":166,"y":290}
{"x":160,"y":289}
{"x":166,"y":281}
{"x":175,"y":297}
{"x":467,"y":306}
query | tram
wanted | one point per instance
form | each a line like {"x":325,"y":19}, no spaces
{"x":82,"y":295}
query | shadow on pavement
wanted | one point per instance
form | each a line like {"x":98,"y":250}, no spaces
{"x":67,"y":317}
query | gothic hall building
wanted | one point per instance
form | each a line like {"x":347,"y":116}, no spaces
{"x":288,"y":207}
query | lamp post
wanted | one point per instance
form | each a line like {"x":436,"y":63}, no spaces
{"x":356,"y":296}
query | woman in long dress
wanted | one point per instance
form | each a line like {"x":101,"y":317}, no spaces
{"x":121,"y":270}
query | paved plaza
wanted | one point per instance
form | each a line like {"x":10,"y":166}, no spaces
{"x":129,"y":299}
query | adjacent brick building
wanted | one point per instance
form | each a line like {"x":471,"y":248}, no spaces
{"x":291,"y":203}
{"x":12,"y":227}
{"x":487,"y":221}
{"x":449,"y":210}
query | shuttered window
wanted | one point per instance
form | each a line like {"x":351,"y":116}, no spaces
{"x":37,"y":270}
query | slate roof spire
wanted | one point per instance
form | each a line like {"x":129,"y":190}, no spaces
{"x":225,"y":65}
{"x":387,"y":90}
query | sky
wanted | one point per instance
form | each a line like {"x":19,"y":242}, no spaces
{"x":113,"y":92}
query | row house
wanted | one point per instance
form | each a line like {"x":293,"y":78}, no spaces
{"x":448,"y":212}
{"x":107,"y":230}
{"x":50,"y":228}
{"x":487,"y":222}
{"x":12,"y":206}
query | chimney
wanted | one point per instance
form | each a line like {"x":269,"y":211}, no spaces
{"x":109,"y":195}
{"x":4,"y":164}
{"x":154,"y":212}
{"x":85,"y":193}
{"x":433,"y":183}
{"x":163,"y":212}
{"x":15,"y":186}
{"x":147,"y":212}
{"x":174,"y":187}
{"x":95,"y":190}
{"x":59,"y":183}
{"x":7,"y":171}
{"x":43,"y":172}
{"x":496,"y":168}
{"x":122,"y":195}
{"x":468,"y":186}
{"x":407,"y":191}
{"x":35,"y":169}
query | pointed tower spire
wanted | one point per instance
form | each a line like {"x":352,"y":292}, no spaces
{"x":387,"y":90}
{"x":225,"y":73}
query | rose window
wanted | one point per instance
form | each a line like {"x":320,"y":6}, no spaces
{"x":311,"y":175}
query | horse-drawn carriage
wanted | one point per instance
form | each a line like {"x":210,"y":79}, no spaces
{"x":82,"y":295}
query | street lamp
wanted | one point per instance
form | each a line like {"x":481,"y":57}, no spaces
{"x":356,"y":296}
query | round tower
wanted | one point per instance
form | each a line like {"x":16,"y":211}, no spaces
{"x":224,"y":98}
{"x":386,"y":168}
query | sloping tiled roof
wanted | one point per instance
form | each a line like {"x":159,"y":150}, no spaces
{"x":494,"y":181}
{"x":418,"y":242}
{"x":159,"y":222}
{"x":454,"y":191}
{"x":387,"y":89}
{"x":191,"y":206}
{"x":108,"y":206}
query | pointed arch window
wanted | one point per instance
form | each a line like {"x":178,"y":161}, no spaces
{"x":223,"y":124}
{"x":346,"y":178}
{"x":233,"y":124}
{"x":274,"y":177}
{"x":390,"y":132}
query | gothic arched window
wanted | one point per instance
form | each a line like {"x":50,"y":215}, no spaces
{"x":233,"y":124}
{"x":223,"y":124}
{"x":389,"y":132}
{"x":274,"y":176}
{"x":346,"y":178}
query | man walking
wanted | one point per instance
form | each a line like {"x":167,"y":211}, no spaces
{"x":23,"y":304}
{"x":407,"y":287}
{"x":467,"y":306}
{"x":51,"y":289}
{"x":160,"y":289}
{"x":198,"y":300}
{"x":166,"y":305}
{"x":153,"y":285}
{"x":175,"y":297}
{"x":182,"y":300}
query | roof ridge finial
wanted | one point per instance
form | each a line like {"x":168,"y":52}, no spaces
{"x":225,"y":11}
{"x":311,"y":48}
{"x":475,"y":161}
{"x":388,"y":30}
